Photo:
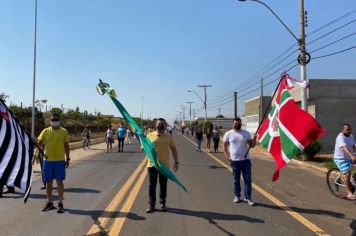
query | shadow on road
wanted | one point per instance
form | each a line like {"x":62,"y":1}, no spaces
{"x":81,"y":190}
{"x":101,"y":149}
{"x":42,"y":196}
{"x":353,"y":227}
{"x":217,"y":167}
{"x":204,"y":166}
{"x":95,"y":214}
{"x":211,"y":216}
{"x":110,"y":160}
{"x":304,"y":210}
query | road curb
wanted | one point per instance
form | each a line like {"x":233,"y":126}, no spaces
{"x":310,"y":165}
{"x":298,"y":162}
{"x":79,"y":144}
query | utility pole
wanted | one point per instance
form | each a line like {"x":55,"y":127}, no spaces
{"x":235,"y":104}
{"x":303,"y":60}
{"x":180,"y":118}
{"x":261,"y":101}
{"x":205,"y":99}
{"x":183,"y":108}
{"x":219,"y":109}
{"x":190,"y":112}
{"x":34,"y":76}
{"x":304,"y":56}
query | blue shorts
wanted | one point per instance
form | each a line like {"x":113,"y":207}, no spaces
{"x":343,"y":165}
{"x":54,"y":170}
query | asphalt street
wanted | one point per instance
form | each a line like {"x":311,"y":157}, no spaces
{"x":106,"y":194}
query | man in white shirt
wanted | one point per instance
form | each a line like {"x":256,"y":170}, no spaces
{"x":344,"y":157}
{"x":236,"y":144}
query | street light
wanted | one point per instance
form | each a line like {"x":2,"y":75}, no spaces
{"x":190,"y":112}
{"x":304,"y":56}
{"x":204,"y":103}
{"x":34,"y":77}
{"x":183,"y":108}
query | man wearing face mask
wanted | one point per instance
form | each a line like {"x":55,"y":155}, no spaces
{"x":235,"y":145}
{"x":163,"y":142}
{"x":343,"y":156}
{"x":56,"y":139}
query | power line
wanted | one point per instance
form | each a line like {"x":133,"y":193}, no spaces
{"x":334,"y":53}
{"x":332,"y":22}
{"x":332,"y":31}
{"x":269,"y":66}
{"x":336,"y":41}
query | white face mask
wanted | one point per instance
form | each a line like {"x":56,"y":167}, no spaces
{"x":54,"y":123}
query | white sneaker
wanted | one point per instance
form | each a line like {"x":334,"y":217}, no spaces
{"x":236,"y":199}
{"x":249,"y":202}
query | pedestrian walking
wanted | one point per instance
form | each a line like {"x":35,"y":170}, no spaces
{"x":198,"y":138}
{"x":109,"y":138}
{"x":162,"y":142}
{"x":56,"y":139}
{"x":121,"y":134}
{"x":87,"y":136}
{"x":129,"y":135}
{"x":208,"y":138}
{"x":216,"y":139}
{"x":236,"y":142}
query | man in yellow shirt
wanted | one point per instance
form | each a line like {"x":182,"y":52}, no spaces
{"x":163,"y":142}
{"x":56,"y":139}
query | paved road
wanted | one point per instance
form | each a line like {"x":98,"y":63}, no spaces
{"x":107,"y":194}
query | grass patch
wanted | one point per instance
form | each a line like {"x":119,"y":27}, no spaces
{"x":78,"y":137}
{"x":330,"y":164}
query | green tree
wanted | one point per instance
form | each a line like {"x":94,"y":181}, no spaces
{"x":24,"y":116}
{"x":57,"y":110}
{"x":206,"y":125}
{"x":75,"y":116}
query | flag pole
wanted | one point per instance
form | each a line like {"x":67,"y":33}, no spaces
{"x":266,"y":111}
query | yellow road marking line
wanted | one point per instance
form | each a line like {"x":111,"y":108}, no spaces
{"x":109,"y":210}
{"x":125,"y":209}
{"x":284,"y":207}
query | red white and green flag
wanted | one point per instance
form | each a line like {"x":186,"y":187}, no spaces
{"x":287,"y":129}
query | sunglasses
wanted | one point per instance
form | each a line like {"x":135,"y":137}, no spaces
{"x":54,"y":119}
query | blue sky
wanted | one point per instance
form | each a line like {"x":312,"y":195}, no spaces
{"x":159,"y":49}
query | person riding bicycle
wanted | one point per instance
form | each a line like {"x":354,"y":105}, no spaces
{"x":87,"y":135}
{"x":344,"y":157}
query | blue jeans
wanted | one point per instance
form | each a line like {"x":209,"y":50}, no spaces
{"x":199,"y":143}
{"x":244,"y":167}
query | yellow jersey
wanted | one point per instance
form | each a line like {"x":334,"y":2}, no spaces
{"x":163,"y":142}
{"x":54,"y":140}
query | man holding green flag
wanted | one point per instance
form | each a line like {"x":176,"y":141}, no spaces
{"x":162,"y":142}
{"x":157,"y":160}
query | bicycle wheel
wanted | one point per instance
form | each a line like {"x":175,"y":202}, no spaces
{"x":335,"y":183}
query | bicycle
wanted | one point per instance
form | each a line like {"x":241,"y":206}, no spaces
{"x":86,"y":143}
{"x":336,"y":184}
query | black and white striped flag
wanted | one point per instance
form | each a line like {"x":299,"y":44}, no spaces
{"x":16,"y":152}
